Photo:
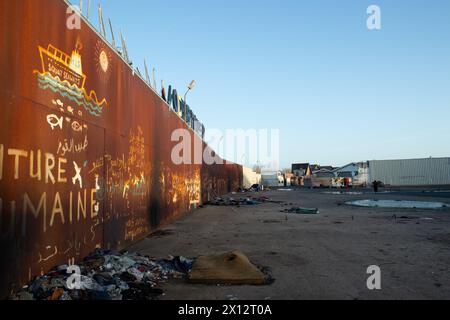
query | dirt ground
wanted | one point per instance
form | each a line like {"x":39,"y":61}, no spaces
{"x":322,"y":256}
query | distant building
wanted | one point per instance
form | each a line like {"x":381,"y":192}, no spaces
{"x":272,"y":179}
{"x":348,"y":171}
{"x":250,"y":177}
{"x":396,"y":173}
{"x":362,"y":179}
{"x":301,"y":169}
{"x":289,"y":179}
{"x":312,"y":175}
{"x":324,"y":173}
{"x":353,"y":174}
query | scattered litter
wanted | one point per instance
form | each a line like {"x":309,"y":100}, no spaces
{"x":233,"y":202}
{"x":231,"y":268}
{"x":298,"y":210}
{"x":108,"y":275}
{"x":264,"y":199}
{"x":230,"y":201}
{"x":397,"y":204}
{"x":253,"y":188}
{"x":256,"y":188}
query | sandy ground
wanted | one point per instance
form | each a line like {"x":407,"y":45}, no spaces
{"x":322,"y":256}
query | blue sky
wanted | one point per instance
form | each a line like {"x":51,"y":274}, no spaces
{"x":337,"y":91}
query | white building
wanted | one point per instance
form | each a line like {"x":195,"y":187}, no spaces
{"x":348,"y":171}
{"x":250,"y":177}
{"x":411,"y":172}
{"x":357,"y":172}
{"x":272,"y":179}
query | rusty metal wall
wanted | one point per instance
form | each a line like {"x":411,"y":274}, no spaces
{"x":85,"y":147}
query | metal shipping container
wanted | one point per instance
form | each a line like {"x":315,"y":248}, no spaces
{"x":411,"y":172}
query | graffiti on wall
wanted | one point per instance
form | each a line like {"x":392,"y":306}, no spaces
{"x":54,"y":190}
{"x":128,"y":173}
{"x":63,"y":74}
{"x":126,"y":188}
{"x":47,"y":209}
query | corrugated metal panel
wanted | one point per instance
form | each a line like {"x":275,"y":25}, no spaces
{"x":411,"y":172}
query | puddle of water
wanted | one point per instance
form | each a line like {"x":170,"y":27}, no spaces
{"x":398,"y":204}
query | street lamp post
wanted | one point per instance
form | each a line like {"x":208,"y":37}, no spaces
{"x":190,"y":87}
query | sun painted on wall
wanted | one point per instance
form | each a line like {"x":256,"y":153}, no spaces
{"x":63,"y":74}
{"x":103,"y":61}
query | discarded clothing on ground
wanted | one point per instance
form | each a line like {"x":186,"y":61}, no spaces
{"x":107,"y":275}
{"x":231,"y":268}
{"x":297,"y":210}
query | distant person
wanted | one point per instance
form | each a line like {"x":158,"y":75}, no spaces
{"x":376,"y":185}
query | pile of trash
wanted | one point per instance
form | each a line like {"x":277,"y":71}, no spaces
{"x":298,"y":210}
{"x":230,"y":201}
{"x":107,"y":275}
